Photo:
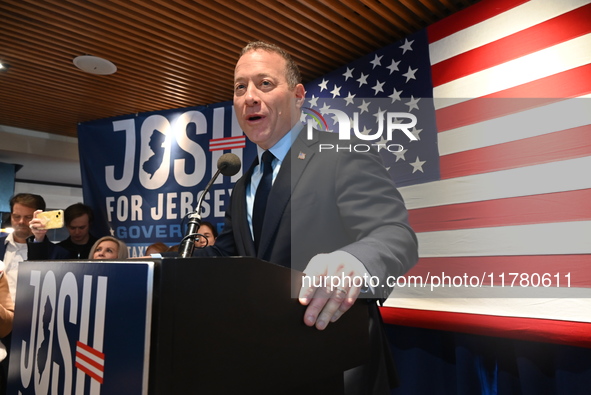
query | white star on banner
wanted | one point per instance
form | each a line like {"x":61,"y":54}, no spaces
{"x":417,"y":165}
{"x":322,"y":85}
{"x":376,"y":61}
{"x":325,"y":108}
{"x":410,"y":74}
{"x":406,"y":46}
{"x":348,"y":74}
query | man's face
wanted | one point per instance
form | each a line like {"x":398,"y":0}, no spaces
{"x":78,"y":229}
{"x":265,"y":106}
{"x":20,"y":218}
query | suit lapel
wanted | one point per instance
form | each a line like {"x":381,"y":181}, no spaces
{"x":293,"y":166}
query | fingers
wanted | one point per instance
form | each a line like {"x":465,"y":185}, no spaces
{"x":328,"y":305}
{"x":325,"y":289}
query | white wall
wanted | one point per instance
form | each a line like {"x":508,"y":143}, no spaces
{"x":56,"y":197}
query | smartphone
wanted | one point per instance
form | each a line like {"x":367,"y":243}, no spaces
{"x":52,"y":219}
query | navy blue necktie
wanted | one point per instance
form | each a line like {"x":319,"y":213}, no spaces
{"x":261,"y":196}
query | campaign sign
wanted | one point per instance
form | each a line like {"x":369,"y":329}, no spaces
{"x":142,"y":174}
{"x":81,"y":328}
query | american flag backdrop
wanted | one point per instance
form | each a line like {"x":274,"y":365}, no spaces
{"x":498,"y":184}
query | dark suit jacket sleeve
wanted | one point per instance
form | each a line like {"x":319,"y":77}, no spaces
{"x":372,"y":208}
{"x":46,"y":250}
{"x":224,"y":244}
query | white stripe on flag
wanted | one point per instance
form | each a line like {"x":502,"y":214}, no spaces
{"x":565,"y":56}
{"x":539,"y":239}
{"x":551,"y":118}
{"x":520,"y":18}
{"x":524,"y":181}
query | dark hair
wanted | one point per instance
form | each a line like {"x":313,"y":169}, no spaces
{"x":214,"y":230}
{"x":77,"y":210}
{"x":292,"y":72}
{"x":29,"y":200}
{"x":158,"y":247}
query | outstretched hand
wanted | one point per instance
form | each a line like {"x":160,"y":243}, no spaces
{"x":331,"y":286}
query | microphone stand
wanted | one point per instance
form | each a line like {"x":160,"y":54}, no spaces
{"x":188,"y":243}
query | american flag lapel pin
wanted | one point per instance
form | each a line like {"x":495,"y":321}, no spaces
{"x":301,"y":155}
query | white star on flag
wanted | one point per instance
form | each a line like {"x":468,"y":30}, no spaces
{"x":376,"y":61}
{"x":406,"y":46}
{"x":417,"y":165}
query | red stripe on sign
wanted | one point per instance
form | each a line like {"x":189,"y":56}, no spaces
{"x":89,"y":373}
{"x":90,"y":361}
{"x":227,"y":147}
{"x":544,"y":35}
{"x":546,"y":208}
{"x":546,"y":148}
{"x":227,"y":140}
{"x":90,"y":350}
{"x":571,"y":83}
{"x":473,"y":15}
{"x":227,"y":143}
{"x":531,"y":329}
{"x":569,"y":271}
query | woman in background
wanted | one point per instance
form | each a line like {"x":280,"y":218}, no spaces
{"x":109,"y":247}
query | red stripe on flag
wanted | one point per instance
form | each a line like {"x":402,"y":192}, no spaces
{"x":476,"y":13}
{"x":89,"y":373}
{"x":547,"y":208}
{"x":490,"y":268}
{"x":531,"y":329}
{"x":554,"y":31}
{"x":551,"y":147}
{"x":571,"y":83}
{"x":90,"y":350}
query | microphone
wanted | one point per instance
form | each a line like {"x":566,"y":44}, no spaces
{"x":228,"y":165}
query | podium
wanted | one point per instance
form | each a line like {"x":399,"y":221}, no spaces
{"x":174,"y":326}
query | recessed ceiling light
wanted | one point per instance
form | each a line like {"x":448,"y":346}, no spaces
{"x":4,"y":66}
{"x":95,"y":65}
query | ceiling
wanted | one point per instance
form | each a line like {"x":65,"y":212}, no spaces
{"x":169,"y":54}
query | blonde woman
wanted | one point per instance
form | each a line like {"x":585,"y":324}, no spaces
{"x":109,"y":247}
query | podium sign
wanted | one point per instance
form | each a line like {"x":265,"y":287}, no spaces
{"x":81,"y":328}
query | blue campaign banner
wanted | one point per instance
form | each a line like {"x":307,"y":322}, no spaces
{"x":81,"y":327}
{"x":143,"y":173}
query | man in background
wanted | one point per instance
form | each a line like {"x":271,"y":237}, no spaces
{"x":13,"y":248}
{"x":78,"y":219}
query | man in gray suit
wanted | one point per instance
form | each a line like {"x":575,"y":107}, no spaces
{"x":330,"y":214}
